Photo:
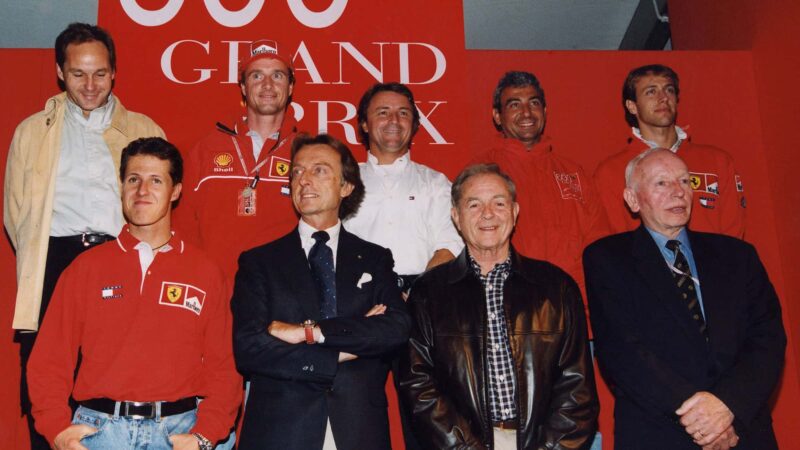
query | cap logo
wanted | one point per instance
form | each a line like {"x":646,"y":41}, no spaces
{"x":264,"y":48}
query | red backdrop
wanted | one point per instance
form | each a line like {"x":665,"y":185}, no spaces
{"x":728,"y":98}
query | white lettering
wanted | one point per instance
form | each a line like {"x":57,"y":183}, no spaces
{"x":233,"y":19}
{"x":322,"y":119}
{"x":166,"y":63}
{"x":362,"y":60}
{"x":428,"y":125}
{"x":233,"y":60}
{"x":151,"y":18}
{"x":299,"y":112}
{"x":310,"y":67}
{"x":313,"y":19}
{"x":441,"y":63}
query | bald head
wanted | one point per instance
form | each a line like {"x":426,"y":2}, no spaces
{"x":659,"y":189}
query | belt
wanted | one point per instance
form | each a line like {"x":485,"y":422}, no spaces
{"x":87,"y":239}
{"x":510,"y":424}
{"x":140,"y":410}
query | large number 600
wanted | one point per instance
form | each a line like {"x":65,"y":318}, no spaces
{"x":234,"y":19}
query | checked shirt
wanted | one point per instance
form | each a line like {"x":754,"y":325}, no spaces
{"x":501,"y":365}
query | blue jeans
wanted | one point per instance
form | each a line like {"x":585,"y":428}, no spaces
{"x":141,"y":434}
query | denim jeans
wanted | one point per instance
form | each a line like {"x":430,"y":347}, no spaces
{"x":141,"y":434}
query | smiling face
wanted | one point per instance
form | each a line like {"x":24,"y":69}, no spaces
{"x":522,"y":115}
{"x":266,"y":86}
{"x":656,"y":104}
{"x":87,"y":75}
{"x":317,"y":186}
{"x":661,"y":193}
{"x":485,"y":214}
{"x":390,"y":121}
{"x":148,"y":192}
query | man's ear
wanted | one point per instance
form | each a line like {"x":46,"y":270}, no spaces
{"x":630,"y":199}
{"x":630,"y":105}
{"x":496,"y":116}
{"x":347,"y":189}
{"x":59,"y":72}
{"x":454,"y":216}
{"x":176,"y":192}
{"x":515,"y":210}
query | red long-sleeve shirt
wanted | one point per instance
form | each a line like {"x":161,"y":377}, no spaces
{"x":718,"y":205}
{"x":164,"y":337}
{"x":209,"y":213}
{"x":560,"y":212}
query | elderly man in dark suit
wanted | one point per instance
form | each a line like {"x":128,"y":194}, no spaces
{"x":687,"y":325}
{"x":314,"y":312}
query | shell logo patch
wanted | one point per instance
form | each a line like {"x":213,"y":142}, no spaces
{"x":223,"y":159}
{"x":182,"y":295}
{"x":570,"y":185}
{"x":279,"y":168}
{"x":704,"y":182}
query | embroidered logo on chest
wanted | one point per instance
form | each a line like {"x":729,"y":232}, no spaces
{"x":222,"y":162}
{"x":111,"y":292}
{"x":704,"y":182}
{"x":182,"y":295}
{"x":570,"y":185}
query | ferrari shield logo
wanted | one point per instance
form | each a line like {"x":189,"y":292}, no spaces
{"x":695,"y":180}
{"x":282,"y":168}
{"x":174,"y":293}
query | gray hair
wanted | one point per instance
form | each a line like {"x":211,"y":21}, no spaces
{"x":480,"y":169}
{"x":634,"y":163}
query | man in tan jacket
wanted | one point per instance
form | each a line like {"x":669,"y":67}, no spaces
{"x":61,"y":185}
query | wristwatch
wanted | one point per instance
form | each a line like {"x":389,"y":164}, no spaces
{"x":204,"y":443}
{"x":309,"y":325}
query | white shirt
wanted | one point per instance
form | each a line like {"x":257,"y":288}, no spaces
{"x":407,"y":210}
{"x":87,"y":197}
{"x":146,"y":256}
{"x":307,"y":241}
{"x":681,"y":137}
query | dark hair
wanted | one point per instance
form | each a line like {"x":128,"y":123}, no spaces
{"x":154,"y":146}
{"x":363,"y":106}
{"x":629,"y":86}
{"x":350,"y":172}
{"x":515,"y":79}
{"x":79,"y":33}
{"x":480,"y":169}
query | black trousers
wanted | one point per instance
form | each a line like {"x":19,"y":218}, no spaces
{"x":61,"y":251}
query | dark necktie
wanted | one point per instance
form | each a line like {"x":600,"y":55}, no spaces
{"x":321,"y":260}
{"x":686,"y":286}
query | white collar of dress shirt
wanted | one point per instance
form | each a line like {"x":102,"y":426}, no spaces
{"x":307,"y":241}
{"x":99,"y":118}
{"x":395,"y":167}
{"x":682,"y":135}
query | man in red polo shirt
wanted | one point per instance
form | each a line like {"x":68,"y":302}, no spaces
{"x":149,"y":315}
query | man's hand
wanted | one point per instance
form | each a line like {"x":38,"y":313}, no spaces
{"x":287,"y":332}
{"x":376,"y":310}
{"x":705,"y":417}
{"x":184,"y":441}
{"x":70,"y":438}
{"x":344,"y":357}
{"x":728,"y":439}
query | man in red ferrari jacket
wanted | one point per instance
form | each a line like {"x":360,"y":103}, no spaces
{"x":560,"y":212}
{"x":650,"y":101}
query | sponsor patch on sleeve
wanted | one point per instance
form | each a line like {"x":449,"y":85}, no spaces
{"x":570,"y":185}
{"x":182,"y":295}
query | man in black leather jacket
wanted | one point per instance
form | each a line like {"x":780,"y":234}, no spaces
{"x":498,"y":357}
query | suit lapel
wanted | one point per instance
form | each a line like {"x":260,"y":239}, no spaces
{"x":651,"y":266}
{"x":713,"y":287}
{"x":349,"y":267}
{"x":298,"y":274}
